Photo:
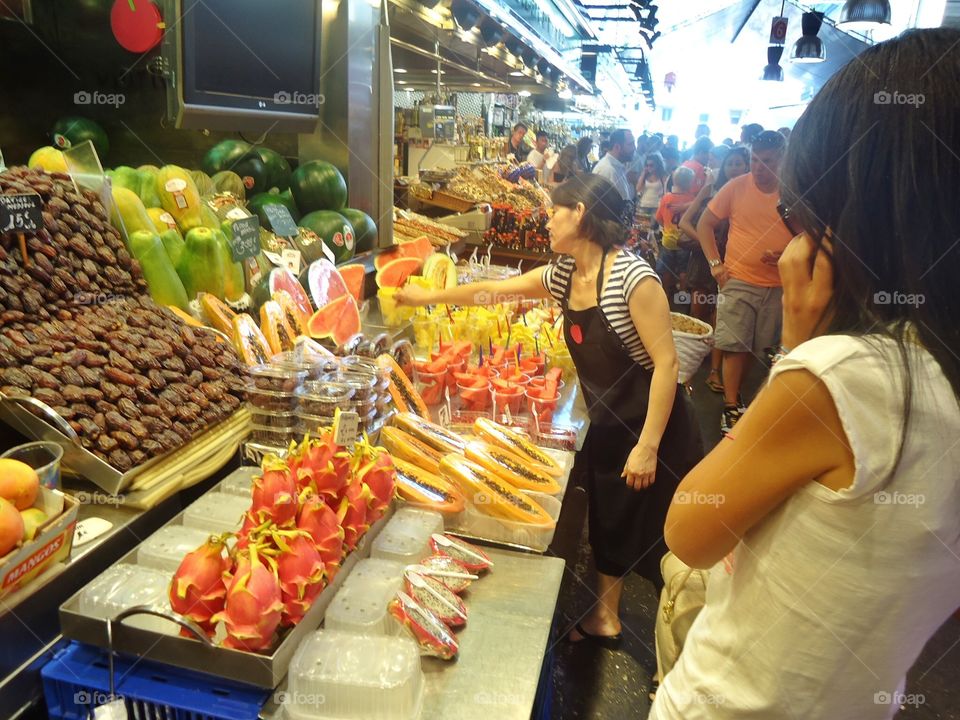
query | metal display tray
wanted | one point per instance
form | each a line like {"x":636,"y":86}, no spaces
{"x":265,"y":671}
{"x":76,"y":459}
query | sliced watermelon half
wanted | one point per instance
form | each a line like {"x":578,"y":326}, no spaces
{"x":283,"y":279}
{"x":326,"y":283}
{"x":338,"y":320}
{"x":395,"y":273}
{"x":420,"y":248}
{"x":353,"y":276}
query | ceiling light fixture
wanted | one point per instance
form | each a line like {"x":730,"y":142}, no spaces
{"x":516,"y":73}
{"x":809,"y":48}
{"x":399,"y":70}
{"x":865,"y":13}
{"x":408,"y":89}
{"x":491,"y":33}
{"x":401,"y":82}
{"x":773,"y":71}
{"x":524,"y":93}
{"x":466,"y":15}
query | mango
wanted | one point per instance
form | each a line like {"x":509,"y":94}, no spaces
{"x":32,"y":518}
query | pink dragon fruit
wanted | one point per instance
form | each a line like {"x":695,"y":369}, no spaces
{"x":352,"y":513}
{"x":300,"y":569}
{"x":274,"y":492}
{"x":379,"y":476}
{"x":253,"y":605}
{"x":319,"y":519}
{"x":319,"y":466}
{"x":197,"y":590}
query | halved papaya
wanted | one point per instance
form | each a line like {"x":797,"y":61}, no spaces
{"x":249,"y":341}
{"x":275,"y":328}
{"x":492,"y":495}
{"x":186,"y":317}
{"x":403,"y":445}
{"x":218,"y":313}
{"x":296,"y":318}
{"x":514,"y":442}
{"x":395,"y":273}
{"x":404,"y":394}
{"x":518,"y":472}
{"x":422,"y":488}
{"x":339,"y":320}
{"x":432,"y":434}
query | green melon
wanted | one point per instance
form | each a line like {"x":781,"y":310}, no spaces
{"x":278,"y":169}
{"x":318,"y":185}
{"x":364,"y":229}
{"x":257,"y":202}
{"x":72,"y":130}
{"x":222,"y":156}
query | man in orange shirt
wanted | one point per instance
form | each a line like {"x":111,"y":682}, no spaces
{"x":698,"y":163}
{"x":751,"y":298}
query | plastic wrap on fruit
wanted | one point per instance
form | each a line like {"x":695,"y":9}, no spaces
{"x":436,"y":597}
{"x":470,"y":556}
{"x":447,"y":570}
{"x":433,"y":637}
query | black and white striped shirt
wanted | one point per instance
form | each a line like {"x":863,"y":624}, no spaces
{"x":628,"y":270}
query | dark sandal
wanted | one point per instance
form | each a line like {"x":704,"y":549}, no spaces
{"x":714,"y":385}
{"x":609,"y":642}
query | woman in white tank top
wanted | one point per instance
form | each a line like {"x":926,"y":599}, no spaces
{"x":830,"y":516}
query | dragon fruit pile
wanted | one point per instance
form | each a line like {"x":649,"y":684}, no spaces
{"x":308,"y":510}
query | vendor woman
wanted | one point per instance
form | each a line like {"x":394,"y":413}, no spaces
{"x":643,"y":435}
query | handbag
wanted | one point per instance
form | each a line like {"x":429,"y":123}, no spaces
{"x":683,"y":596}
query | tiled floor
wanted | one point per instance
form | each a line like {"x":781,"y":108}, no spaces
{"x":591,"y":683}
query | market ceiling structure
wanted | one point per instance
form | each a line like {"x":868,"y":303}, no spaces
{"x":548,"y":46}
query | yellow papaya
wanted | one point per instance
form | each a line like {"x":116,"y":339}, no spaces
{"x":128,"y":214}
{"x":217,"y":313}
{"x":491,"y":494}
{"x":179,"y":197}
{"x":162,"y":220}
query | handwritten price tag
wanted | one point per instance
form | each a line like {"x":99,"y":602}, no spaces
{"x":281,"y":222}
{"x":346,"y":428}
{"x":246,"y":238}
{"x":21,"y":213}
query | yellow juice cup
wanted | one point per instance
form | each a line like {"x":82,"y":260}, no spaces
{"x":393,"y":314}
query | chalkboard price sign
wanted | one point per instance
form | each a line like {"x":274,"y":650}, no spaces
{"x":21,"y":213}
{"x":281,"y":221}
{"x":246,"y":238}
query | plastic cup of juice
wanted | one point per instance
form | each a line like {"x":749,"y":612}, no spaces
{"x":393,"y":315}
{"x":504,"y":399}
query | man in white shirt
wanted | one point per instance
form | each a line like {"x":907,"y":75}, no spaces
{"x":538,"y":156}
{"x":613,"y":165}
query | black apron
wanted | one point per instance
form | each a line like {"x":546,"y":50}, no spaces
{"x":626,"y":525}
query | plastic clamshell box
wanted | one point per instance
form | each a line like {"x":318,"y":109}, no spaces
{"x":51,"y":545}
{"x":216,"y":512}
{"x":271,"y":435}
{"x":406,"y":538}
{"x":165,"y":549}
{"x":324,"y":398}
{"x":276,"y":378}
{"x":360,"y":606}
{"x":351,"y":677}
{"x":474,"y":524}
{"x":123,"y":586}
{"x":270,"y":401}
{"x":240,"y":481}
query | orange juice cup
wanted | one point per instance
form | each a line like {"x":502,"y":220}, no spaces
{"x":542,"y":408}
{"x":474,"y":397}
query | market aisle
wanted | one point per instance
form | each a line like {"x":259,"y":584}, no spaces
{"x":596,"y":684}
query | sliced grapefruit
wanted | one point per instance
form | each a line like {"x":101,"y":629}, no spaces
{"x":395,"y":273}
{"x":420,"y":248}
{"x":326,"y":283}
{"x":338,"y":320}
{"x":353,"y":276}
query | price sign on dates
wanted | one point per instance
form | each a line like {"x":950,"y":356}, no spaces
{"x":21,"y":213}
{"x":246,"y":238}
{"x":281,"y":221}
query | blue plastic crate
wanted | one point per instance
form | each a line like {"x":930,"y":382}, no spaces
{"x":78,"y":679}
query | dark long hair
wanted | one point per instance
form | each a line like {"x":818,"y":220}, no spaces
{"x":873,"y":160}
{"x":722,"y":178}
{"x":601,"y":222}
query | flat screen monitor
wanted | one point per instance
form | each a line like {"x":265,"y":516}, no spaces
{"x":245,"y":64}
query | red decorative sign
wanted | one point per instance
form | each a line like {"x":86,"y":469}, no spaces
{"x":778,"y":31}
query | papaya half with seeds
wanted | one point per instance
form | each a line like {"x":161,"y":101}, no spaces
{"x":275,"y":328}
{"x":403,"y":445}
{"x":512,"y":468}
{"x":514,"y":442}
{"x":404,"y":394}
{"x":492,"y":495}
{"x":439,"y":438}
{"x":425,"y":489}
{"x":219,"y":315}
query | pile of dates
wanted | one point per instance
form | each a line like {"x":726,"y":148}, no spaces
{"x":79,"y":332}
{"x":76,"y":259}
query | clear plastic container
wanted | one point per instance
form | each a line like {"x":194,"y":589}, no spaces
{"x":314,"y":367}
{"x":276,"y":378}
{"x":310,"y":424}
{"x":277,"y":437}
{"x":406,"y":537}
{"x":240,"y":481}
{"x":278,"y":420}
{"x":369,"y":421}
{"x":322,"y":398}
{"x":360,"y":605}
{"x":349,"y":677}
{"x":355,"y":363}
{"x":164,"y":550}
{"x":269,"y":400}
{"x":123,"y":586}
{"x":217,"y":512}
{"x":363,"y":407}
{"x":362,"y":383}
{"x":473,"y":523}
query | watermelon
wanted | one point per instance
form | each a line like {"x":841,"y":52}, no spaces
{"x":283,"y":279}
{"x":396,"y":272}
{"x":335,"y":231}
{"x":364,"y":229}
{"x":420,"y":248}
{"x":318,"y":185}
{"x":278,"y":169}
{"x":223,"y":155}
{"x":257,"y":203}
{"x":73,"y":130}
{"x":253,"y":171}
{"x":353,"y":276}
{"x":339,"y":320}
{"x":325,"y":282}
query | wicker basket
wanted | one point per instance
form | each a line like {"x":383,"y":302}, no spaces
{"x":691,"y":347}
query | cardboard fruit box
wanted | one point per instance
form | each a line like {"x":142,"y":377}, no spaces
{"x":52,"y":544}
